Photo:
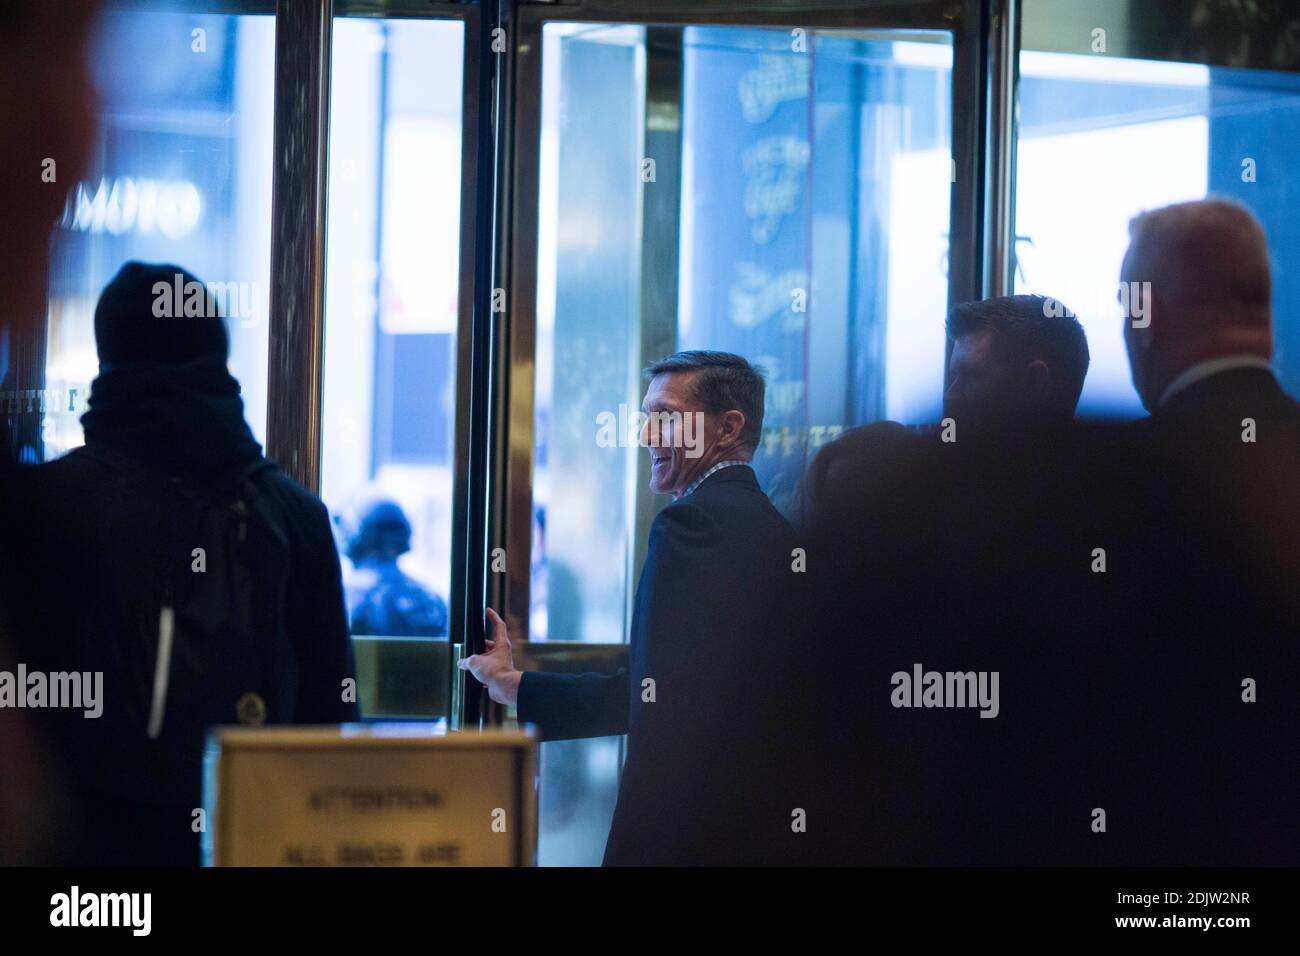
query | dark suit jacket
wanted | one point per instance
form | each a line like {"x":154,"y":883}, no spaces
{"x":1119,"y":690}
{"x":704,"y":663}
{"x":933,"y":553}
{"x":1214,"y":779}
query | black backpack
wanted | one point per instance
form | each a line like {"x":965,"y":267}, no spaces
{"x":186,"y":622}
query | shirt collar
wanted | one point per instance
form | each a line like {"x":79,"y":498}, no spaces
{"x":718,"y":467}
{"x":1203,"y":370}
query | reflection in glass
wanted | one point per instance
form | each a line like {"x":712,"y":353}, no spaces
{"x":815,"y":228}
{"x":181,"y":174}
{"x":1102,"y":139}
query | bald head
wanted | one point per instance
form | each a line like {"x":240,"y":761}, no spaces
{"x":1210,"y":290}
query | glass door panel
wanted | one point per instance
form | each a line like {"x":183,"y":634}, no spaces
{"x":779,"y":193}
{"x":181,"y":174}
{"x":1104,"y":138}
{"x":808,"y":195}
{"x":392,"y":319}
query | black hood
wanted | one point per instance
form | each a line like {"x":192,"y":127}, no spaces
{"x":180,"y":420}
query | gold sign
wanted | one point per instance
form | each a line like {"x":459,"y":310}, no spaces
{"x":370,"y":795}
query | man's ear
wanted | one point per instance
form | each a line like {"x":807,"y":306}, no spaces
{"x":732,"y":427}
{"x":1037,"y":374}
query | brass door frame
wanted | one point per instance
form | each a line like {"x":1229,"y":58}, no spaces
{"x":299,"y":217}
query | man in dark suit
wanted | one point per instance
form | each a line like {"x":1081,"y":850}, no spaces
{"x":699,"y":782}
{"x":946,"y":547}
{"x":1214,"y":610}
{"x":1015,"y":374}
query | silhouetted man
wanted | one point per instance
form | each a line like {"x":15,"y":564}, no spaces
{"x":206,"y":587}
{"x":945,"y":548}
{"x":1015,"y":374}
{"x":705,"y":637}
{"x":1017,"y":362}
{"x":1213,"y":601}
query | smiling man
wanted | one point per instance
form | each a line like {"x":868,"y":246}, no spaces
{"x":695,"y":788}
{"x":677,"y":408}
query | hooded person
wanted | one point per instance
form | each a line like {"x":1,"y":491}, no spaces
{"x":207,"y":586}
{"x":164,"y":396}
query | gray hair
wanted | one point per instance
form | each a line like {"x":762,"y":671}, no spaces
{"x":722,"y":382}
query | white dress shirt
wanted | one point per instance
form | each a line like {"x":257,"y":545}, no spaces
{"x":1203,"y":370}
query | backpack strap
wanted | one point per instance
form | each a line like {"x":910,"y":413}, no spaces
{"x":251,"y":494}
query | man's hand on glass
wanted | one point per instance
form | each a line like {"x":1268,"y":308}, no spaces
{"x":496,"y":667}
